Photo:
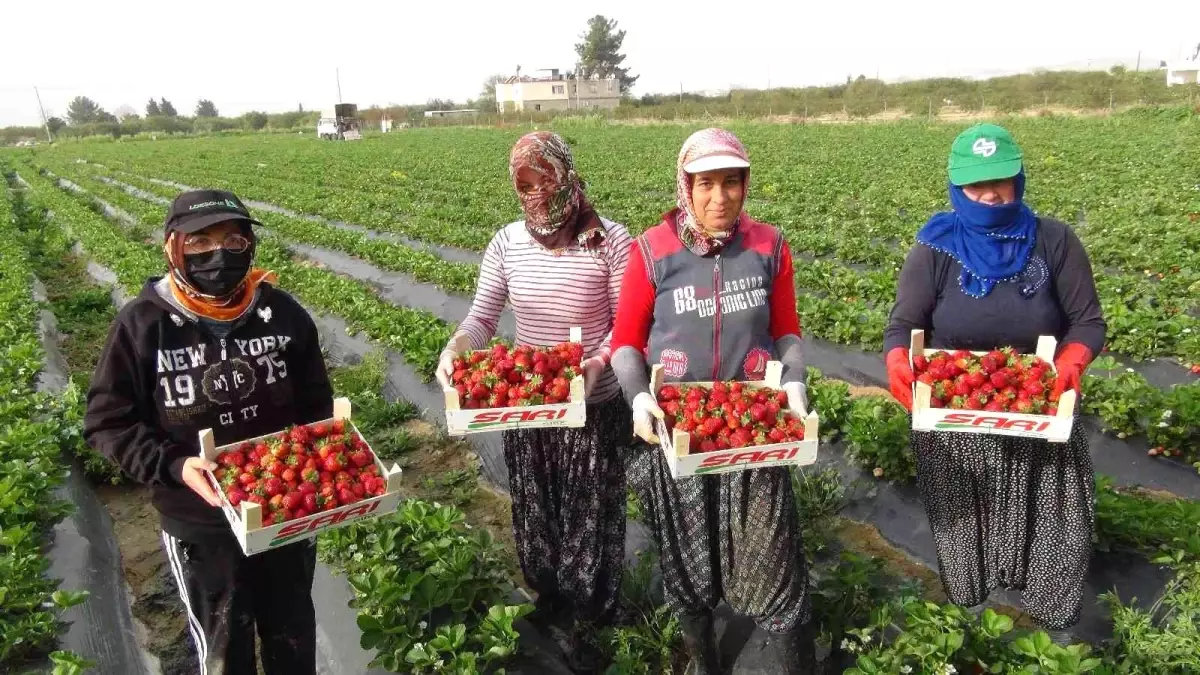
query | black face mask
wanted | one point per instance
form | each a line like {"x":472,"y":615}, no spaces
{"x":218,"y":272}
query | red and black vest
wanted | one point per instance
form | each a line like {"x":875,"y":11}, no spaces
{"x":712,"y":313}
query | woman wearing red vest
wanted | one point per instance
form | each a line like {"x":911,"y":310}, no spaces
{"x":709,"y":294}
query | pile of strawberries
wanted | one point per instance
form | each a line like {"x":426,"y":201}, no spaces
{"x":729,"y":415}
{"x":301,"y":471}
{"x":999,"y":381}
{"x":505,"y":377}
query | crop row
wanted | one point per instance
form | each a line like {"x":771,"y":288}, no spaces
{"x":1128,"y":196}
{"x":421,"y":265}
{"x":32,"y":441}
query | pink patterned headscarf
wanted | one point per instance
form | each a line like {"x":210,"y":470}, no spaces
{"x":563,"y":204}
{"x":703,"y":143}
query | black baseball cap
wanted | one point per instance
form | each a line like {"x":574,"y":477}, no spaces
{"x":195,"y":210}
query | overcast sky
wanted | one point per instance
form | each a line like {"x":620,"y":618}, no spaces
{"x":269,"y":55}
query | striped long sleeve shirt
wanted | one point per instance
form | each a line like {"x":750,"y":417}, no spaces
{"x":550,"y":293}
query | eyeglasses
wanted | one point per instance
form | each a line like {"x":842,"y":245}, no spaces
{"x":202,"y":243}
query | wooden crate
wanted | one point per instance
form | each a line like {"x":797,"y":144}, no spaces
{"x":682,"y":462}
{"x":246,"y":521}
{"x":1056,"y":428}
{"x":572,"y":414}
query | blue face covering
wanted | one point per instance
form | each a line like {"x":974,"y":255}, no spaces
{"x":993,"y":243}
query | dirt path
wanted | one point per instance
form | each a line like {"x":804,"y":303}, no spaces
{"x":157,"y":609}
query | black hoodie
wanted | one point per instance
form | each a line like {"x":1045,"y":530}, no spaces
{"x":164,"y":376}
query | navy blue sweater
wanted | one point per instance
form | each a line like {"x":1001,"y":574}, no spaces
{"x":1055,"y":295}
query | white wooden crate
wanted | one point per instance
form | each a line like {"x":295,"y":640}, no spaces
{"x":246,"y":520}
{"x":682,"y":462}
{"x":572,"y":414}
{"x":1056,"y":428}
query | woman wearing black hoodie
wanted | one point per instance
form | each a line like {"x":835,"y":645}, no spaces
{"x":213,"y":344}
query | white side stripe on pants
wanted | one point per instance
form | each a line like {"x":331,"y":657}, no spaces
{"x":172,"y":547}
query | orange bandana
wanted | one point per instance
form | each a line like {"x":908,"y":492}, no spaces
{"x":227,"y":312}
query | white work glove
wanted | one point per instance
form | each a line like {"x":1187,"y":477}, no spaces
{"x":445,"y":367}
{"x":592,"y":369}
{"x":797,"y":398}
{"x":645,"y":412}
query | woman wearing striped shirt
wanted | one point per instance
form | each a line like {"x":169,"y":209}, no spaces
{"x":560,"y":267}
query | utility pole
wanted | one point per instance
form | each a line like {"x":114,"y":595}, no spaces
{"x":338,"y":77}
{"x":681,"y":92}
{"x":45,"y":122}
{"x":1138,"y":67}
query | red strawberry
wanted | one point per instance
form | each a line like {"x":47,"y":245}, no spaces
{"x":292,"y":501}
{"x":1023,"y":405}
{"x":961,"y":386}
{"x":274,"y":487}
{"x":668,"y":393}
{"x":742,"y":438}
{"x":334,"y":463}
{"x":346,"y":496}
{"x":920,"y":363}
{"x":995,"y":405}
{"x":338,"y":427}
{"x":973,"y":403}
{"x":288,"y":475}
{"x":976,"y":379}
{"x":275,"y":502}
{"x":234,"y":459}
{"x":247,"y":479}
{"x":360,"y":458}
{"x":309,"y":500}
{"x":1000,"y":379}
{"x":777,"y":435}
{"x":236,"y":496}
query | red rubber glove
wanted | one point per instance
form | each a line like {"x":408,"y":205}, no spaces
{"x":900,"y":376}
{"x":1071,"y":362}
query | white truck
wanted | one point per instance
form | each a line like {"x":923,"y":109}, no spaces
{"x":340,"y":124}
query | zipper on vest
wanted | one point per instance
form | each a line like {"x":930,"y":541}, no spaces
{"x":716,"y":372}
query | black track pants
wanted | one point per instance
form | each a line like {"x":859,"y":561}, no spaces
{"x":228,"y":595}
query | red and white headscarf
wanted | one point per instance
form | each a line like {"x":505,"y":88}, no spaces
{"x":564,"y":204}
{"x":703,"y":143}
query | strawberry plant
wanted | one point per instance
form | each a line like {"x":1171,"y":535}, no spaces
{"x":910,"y":635}
{"x":431,"y":595}
{"x":31,"y":447}
{"x":876,"y":433}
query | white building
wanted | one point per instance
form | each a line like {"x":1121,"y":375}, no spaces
{"x":556,"y":92}
{"x":1185,"y":71}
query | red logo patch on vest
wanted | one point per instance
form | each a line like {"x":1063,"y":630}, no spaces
{"x":755,"y":365}
{"x":674,"y":362}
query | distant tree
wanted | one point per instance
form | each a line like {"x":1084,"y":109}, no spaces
{"x":126,"y":112}
{"x":152,"y":109}
{"x":1118,"y":70}
{"x":165,"y":107}
{"x":487,"y":95}
{"x":600,"y":52}
{"x":103,"y":115}
{"x":254,"y":120}
{"x":205,"y":108}
{"x":82,"y":110}
{"x":55,"y":124}
{"x":439,"y":104}
{"x":299,"y":107}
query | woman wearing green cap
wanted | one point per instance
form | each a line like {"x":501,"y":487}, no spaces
{"x":1004,"y":511}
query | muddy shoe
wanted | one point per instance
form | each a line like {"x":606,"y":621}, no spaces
{"x":794,"y":652}
{"x":583,"y":656}
{"x":548,"y":611}
{"x":700,"y":643}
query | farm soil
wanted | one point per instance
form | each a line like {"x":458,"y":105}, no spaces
{"x":157,"y":609}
